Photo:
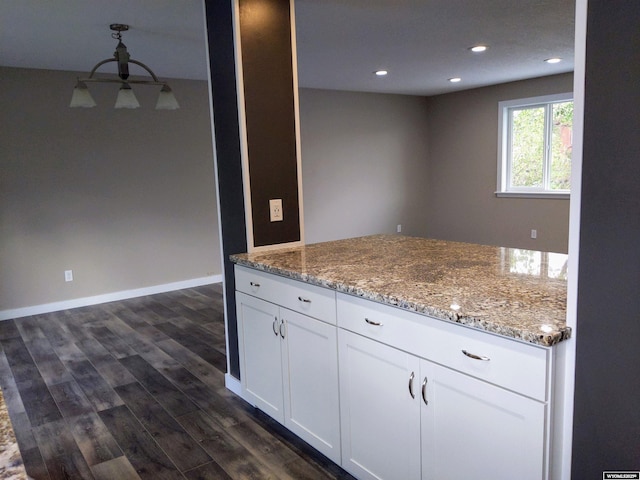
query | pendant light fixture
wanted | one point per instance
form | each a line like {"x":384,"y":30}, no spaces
{"x":126,"y":98}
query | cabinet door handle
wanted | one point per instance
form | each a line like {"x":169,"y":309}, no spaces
{"x":282,"y":332}
{"x":411,"y":384}
{"x":254,"y":284}
{"x":304,"y":300}
{"x":424,"y":391}
{"x":371,"y":322}
{"x":476,"y":357}
{"x":275,"y":329}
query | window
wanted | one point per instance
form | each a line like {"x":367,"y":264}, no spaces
{"x":535,"y":143}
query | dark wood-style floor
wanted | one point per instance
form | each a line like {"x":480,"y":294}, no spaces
{"x":135,"y":389}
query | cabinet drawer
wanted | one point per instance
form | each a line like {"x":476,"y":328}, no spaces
{"x":298,"y":296}
{"x":507,"y":363}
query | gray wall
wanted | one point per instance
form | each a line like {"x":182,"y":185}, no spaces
{"x":125,"y":198}
{"x":364,"y":159}
{"x":461,"y":204}
{"x":606,"y":422}
{"x":372,"y":161}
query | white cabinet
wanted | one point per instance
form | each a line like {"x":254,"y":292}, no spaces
{"x":289,"y":368}
{"x":470,"y":424}
{"x":472,"y":429}
{"x":405,"y":417}
{"x":310,"y":371}
{"x":380,"y":419}
{"x":260,"y":354}
{"x":391,"y":394}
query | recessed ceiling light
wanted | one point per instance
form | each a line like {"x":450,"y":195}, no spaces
{"x":380,"y":73}
{"x":455,"y":79}
{"x":553,"y":60}
{"x":478,"y":48}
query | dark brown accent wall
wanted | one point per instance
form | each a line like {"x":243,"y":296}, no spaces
{"x":265,"y":32}
{"x":606,"y":432}
{"x":265,"y":43}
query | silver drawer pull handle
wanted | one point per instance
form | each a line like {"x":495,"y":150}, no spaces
{"x":371,"y":322}
{"x":411,"y":384}
{"x":476,"y":357}
{"x":424,"y":391}
{"x":254,"y":284}
{"x":282,"y":326}
{"x":304,"y":300}
{"x":275,"y":328}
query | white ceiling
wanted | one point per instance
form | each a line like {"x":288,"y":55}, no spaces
{"x":340,"y":43}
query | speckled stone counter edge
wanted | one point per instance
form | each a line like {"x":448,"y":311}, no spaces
{"x":11,"y":465}
{"x":524,"y":334}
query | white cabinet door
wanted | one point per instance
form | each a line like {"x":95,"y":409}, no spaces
{"x":380,"y":418}
{"x":310,"y":365}
{"x":289,"y":370}
{"x":472,"y":429}
{"x":260,"y":354}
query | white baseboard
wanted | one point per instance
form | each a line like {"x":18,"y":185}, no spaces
{"x":233,"y":384}
{"x":107,"y":297}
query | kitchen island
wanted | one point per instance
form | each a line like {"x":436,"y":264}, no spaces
{"x":403,"y":357}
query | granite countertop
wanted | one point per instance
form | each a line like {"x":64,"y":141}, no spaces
{"x":11,"y":466}
{"x":517,"y":293}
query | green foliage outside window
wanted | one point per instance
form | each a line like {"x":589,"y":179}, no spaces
{"x":528,"y":162}
{"x":527,"y":147}
{"x":561,"y":146}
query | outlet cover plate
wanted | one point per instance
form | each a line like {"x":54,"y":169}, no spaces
{"x":275,"y":210}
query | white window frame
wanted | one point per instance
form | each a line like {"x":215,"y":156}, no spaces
{"x":504,"y":165}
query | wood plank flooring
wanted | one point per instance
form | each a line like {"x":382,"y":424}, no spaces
{"x":135,"y":390}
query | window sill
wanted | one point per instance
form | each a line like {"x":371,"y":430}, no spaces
{"x":549,"y":195}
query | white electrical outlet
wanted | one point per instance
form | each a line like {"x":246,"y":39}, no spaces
{"x":275,"y":210}
{"x":399,"y":228}
{"x":534,"y":234}
{"x":68,"y":275}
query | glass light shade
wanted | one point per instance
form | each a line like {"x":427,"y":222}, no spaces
{"x":81,"y":98}
{"x":126,"y":98}
{"x":167,"y":100}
